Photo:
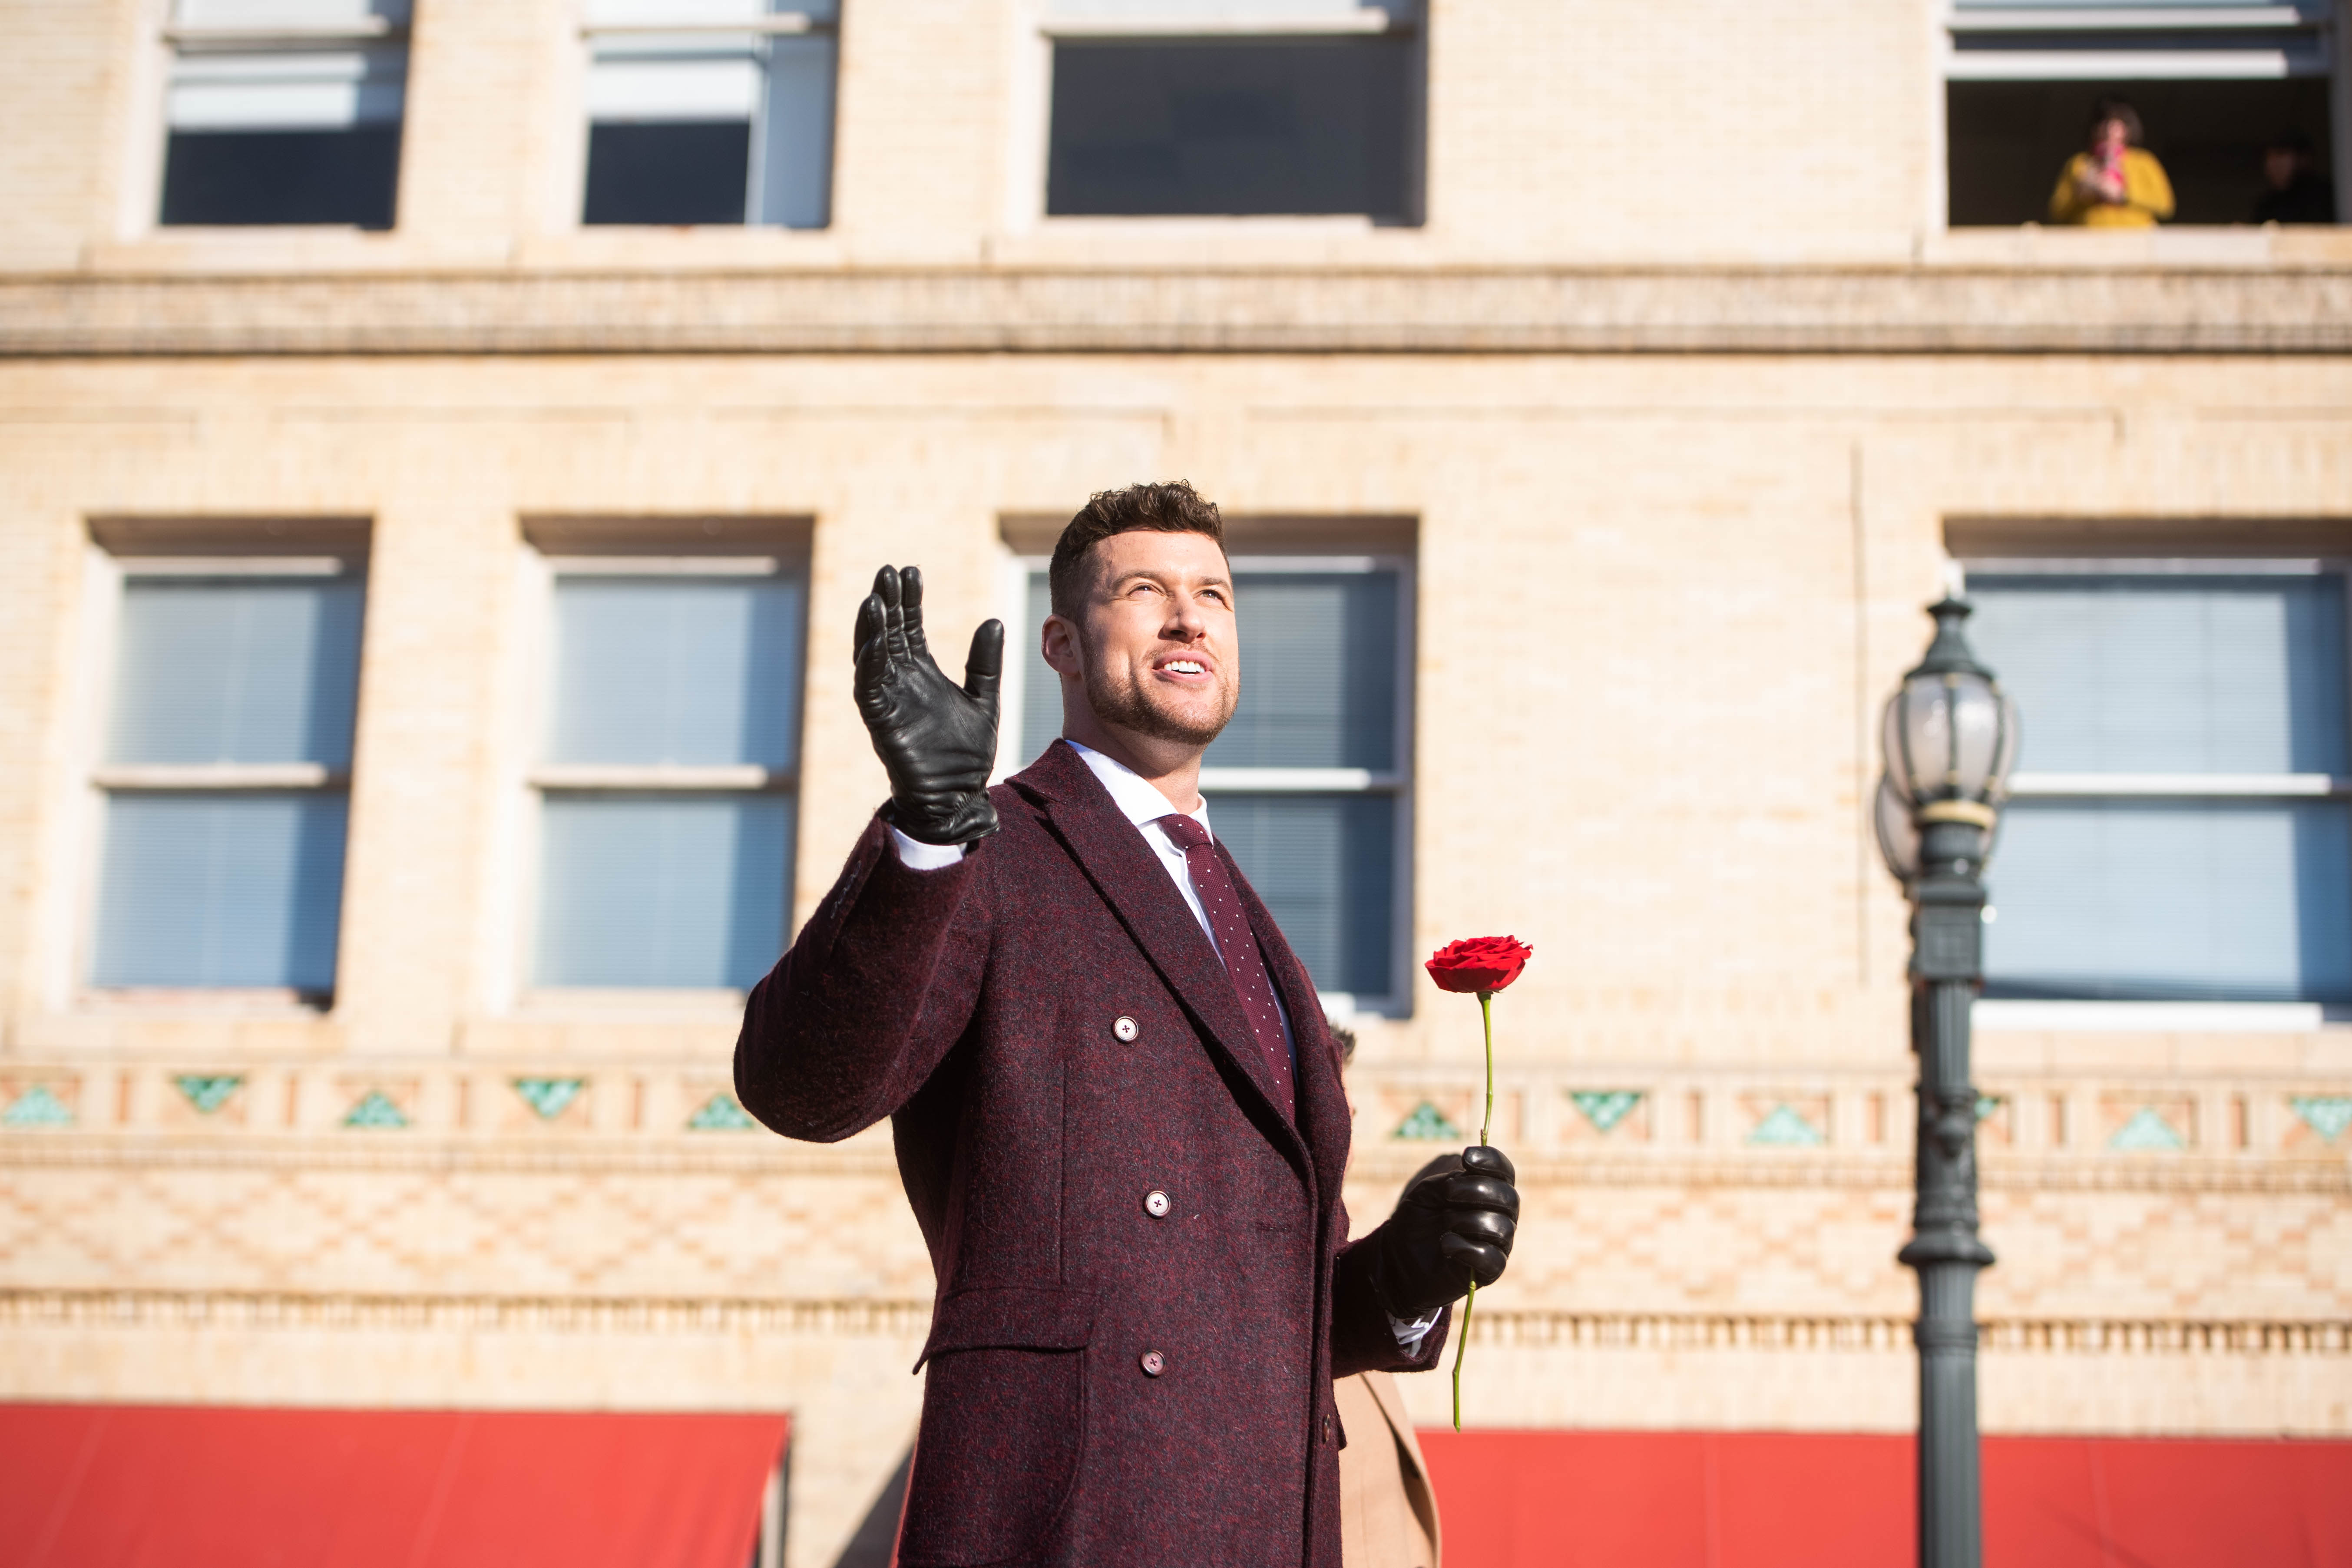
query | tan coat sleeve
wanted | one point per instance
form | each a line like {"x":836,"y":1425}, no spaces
{"x":1388,"y":1510}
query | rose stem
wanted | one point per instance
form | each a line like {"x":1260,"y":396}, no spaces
{"x":1486,"y":1127}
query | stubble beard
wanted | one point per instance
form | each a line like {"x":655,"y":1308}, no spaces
{"x":1130,"y":705}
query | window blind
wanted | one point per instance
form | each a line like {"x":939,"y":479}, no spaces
{"x":688,"y":671}
{"x":2172,"y":899}
{"x":288,"y":89}
{"x":236,"y":670}
{"x":1325,"y":865}
{"x":1318,"y":673}
{"x":304,"y":13}
{"x":2129,"y":673}
{"x":663,"y":891}
{"x":1175,"y":16}
{"x":221,"y":889}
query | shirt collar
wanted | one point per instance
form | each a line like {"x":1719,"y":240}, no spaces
{"x":1130,"y":792}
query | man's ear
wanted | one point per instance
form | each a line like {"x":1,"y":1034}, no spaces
{"x":1058,"y":640}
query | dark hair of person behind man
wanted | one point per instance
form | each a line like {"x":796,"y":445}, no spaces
{"x":1171,"y":508}
{"x":2116,"y":109}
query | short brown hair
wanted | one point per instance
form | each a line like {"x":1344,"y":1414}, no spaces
{"x":1171,"y":508}
{"x":2134,"y":134}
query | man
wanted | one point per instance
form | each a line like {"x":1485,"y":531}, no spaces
{"x":1116,"y":1107}
{"x":2293,"y":191}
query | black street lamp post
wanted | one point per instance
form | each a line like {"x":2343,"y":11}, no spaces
{"x":1950,"y":737}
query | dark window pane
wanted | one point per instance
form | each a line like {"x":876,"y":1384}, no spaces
{"x":2009,"y":140}
{"x":1326,"y":867}
{"x":670,"y":171}
{"x":282,"y":176}
{"x":1269,"y":126}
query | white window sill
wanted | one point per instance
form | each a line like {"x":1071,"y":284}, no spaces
{"x":2158,"y":1017}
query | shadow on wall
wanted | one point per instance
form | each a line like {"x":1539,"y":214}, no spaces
{"x":870,"y":1546}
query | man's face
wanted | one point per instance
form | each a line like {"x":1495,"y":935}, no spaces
{"x":2279,"y":166}
{"x":1155,"y":636}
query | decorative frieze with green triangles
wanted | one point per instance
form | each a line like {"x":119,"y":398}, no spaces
{"x":550,"y":1097}
{"x":38,"y":1107}
{"x":2325,"y":1114}
{"x":2147,"y":1132}
{"x":208,"y":1091}
{"x":1428,"y":1124}
{"x":375,"y":1109}
{"x":1605,"y":1107}
{"x":719,"y":1113}
{"x":1786,"y":1128}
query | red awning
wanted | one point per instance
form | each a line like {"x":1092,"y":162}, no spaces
{"x":1779,"y":1499}
{"x":116,"y":1486}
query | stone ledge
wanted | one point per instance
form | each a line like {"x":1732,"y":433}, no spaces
{"x":1798,"y":309}
{"x":33,"y":1307}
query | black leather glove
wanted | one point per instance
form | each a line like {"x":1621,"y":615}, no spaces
{"x":1453,"y":1226}
{"x":937,"y":740}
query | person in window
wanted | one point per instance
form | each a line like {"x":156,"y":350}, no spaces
{"x":2294,"y":191}
{"x":1116,"y":1107}
{"x":2115,"y":182}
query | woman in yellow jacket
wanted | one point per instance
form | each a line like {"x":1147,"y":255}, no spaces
{"x":2117,"y":184}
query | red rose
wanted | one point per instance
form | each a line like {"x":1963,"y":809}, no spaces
{"x":1482,"y":964}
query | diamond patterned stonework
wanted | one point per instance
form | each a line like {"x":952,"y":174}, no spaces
{"x":208,"y":1091}
{"x":719,"y":1113}
{"x":549,"y":1095}
{"x":1784,"y":1129}
{"x":375,"y":1109}
{"x":1605,"y":1107}
{"x":38,"y":1107}
{"x":2325,"y":1114}
{"x":2146,"y":1133}
{"x":1427,"y":1123}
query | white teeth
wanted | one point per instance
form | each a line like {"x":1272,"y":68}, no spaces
{"x":1185,"y":666}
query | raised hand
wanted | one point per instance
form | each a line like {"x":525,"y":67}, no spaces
{"x":937,"y":740}
{"x":1453,"y":1226}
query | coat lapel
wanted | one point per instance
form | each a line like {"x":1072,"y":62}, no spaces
{"x":1323,"y":1118}
{"x":1122,"y":866}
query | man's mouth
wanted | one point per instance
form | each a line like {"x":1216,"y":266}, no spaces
{"x":1185,"y":667}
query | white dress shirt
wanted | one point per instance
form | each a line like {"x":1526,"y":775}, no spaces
{"x":1144,"y":806}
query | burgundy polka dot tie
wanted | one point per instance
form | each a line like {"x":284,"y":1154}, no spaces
{"x":1238,"y":946}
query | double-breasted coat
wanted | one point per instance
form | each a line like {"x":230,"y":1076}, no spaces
{"x":1145,"y":1283}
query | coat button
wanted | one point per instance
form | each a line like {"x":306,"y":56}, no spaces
{"x":1124,"y":1027}
{"x":1154,"y":1364}
{"x":1155,"y":1204}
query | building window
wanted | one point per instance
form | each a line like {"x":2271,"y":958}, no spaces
{"x":712,"y":111}
{"x":227,"y":774}
{"x":285,"y":111}
{"x":1309,"y":786}
{"x":2216,"y":86}
{"x":2180,"y":829}
{"x":1265,"y":107}
{"x":666,"y":788}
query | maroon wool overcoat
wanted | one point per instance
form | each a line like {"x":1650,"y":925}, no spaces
{"x":979,"y":1009}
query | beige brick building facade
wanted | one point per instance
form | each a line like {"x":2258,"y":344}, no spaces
{"x":1681,"y":395}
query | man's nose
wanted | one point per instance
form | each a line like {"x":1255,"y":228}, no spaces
{"x":1185,"y":620}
